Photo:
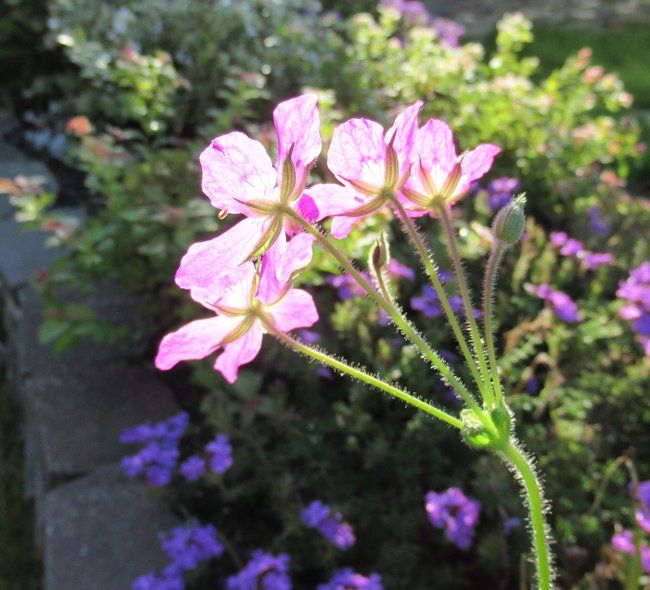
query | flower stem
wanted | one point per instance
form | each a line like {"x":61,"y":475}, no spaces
{"x":445,"y":215}
{"x":432,"y":272}
{"x":488,"y":295}
{"x":363,"y":376}
{"x":535,"y":502}
{"x":391,"y":310}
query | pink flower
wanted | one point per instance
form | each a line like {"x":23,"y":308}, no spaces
{"x":244,"y":303}
{"x":371,"y":164}
{"x":439,"y":176}
{"x":238,"y":177}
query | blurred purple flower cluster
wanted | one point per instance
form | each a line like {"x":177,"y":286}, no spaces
{"x":428,"y":303}
{"x":636,"y":291}
{"x":564,"y":307}
{"x":348,"y":288}
{"x":623,"y":541}
{"x":263,"y":571}
{"x":157,"y":460}
{"x":597,"y":223}
{"x":330,"y":525}
{"x":456,"y":513}
{"x":347,"y":579}
{"x":416,"y":13}
{"x":575,"y":248}
{"x":187,"y":547}
{"x":643,"y":509}
{"x":501,"y":191}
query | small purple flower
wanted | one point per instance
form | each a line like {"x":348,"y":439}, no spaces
{"x":187,"y":547}
{"x":264,"y":571}
{"x":643,"y":510}
{"x":219,"y":454}
{"x":501,"y":191}
{"x":558,"y":238}
{"x":331,"y":526}
{"x":153,"y":582}
{"x":398,"y":270}
{"x":412,"y":11}
{"x":428,"y":303}
{"x":193,"y":468}
{"x":572,"y":247}
{"x":456,"y":513}
{"x":325,"y":373}
{"x":346,"y":286}
{"x":347,"y":579}
{"x":449,"y":32}
{"x":595,"y":259}
{"x":158,"y":458}
{"x":597,"y":223}
{"x":510,"y":524}
{"x":564,"y":307}
{"x":532,"y":386}
{"x":636,"y":292}
{"x":576,"y":249}
{"x":309,"y":336}
{"x":623,"y":542}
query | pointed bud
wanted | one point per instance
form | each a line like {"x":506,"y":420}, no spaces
{"x":288,"y":183}
{"x":508,"y":224}
{"x":380,"y":254}
{"x":222,"y":214}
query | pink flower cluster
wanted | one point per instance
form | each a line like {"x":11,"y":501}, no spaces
{"x":575,"y":248}
{"x":244,"y":275}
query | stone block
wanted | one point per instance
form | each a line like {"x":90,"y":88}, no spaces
{"x":14,"y":163}
{"x":74,"y":419}
{"x":102,"y":532}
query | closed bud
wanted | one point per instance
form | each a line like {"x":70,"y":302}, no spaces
{"x":508,"y":224}
{"x":380,"y":254}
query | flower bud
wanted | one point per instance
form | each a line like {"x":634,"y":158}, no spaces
{"x":380,"y":254}
{"x":508,"y":224}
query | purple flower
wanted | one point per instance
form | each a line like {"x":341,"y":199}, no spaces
{"x":346,"y":286}
{"x":643,"y":510}
{"x":219,"y":454}
{"x":153,"y":582}
{"x":532,"y":386}
{"x":564,"y":307}
{"x":624,"y":543}
{"x":456,"y":513}
{"x":262,"y":571}
{"x":449,"y":33}
{"x":597,"y":223}
{"x":412,"y":11}
{"x":331,"y":526}
{"x":188,"y":547}
{"x":193,"y":468}
{"x":158,"y":458}
{"x":500,"y":191}
{"x":347,"y":579}
{"x":309,"y":336}
{"x":595,"y":259}
{"x":558,"y":238}
{"x":398,"y":270}
{"x":429,"y":303}
{"x":510,"y":524}
{"x":576,"y":249}
{"x":636,"y":291}
{"x":572,"y":247}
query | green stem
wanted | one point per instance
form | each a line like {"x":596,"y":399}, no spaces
{"x":363,"y":376}
{"x":488,"y":295}
{"x":535,"y":504}
{"x":391,"y":310}
{"x":432,"y":272}
{"x":467,"y":301}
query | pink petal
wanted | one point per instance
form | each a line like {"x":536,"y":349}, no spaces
{"x":207,"y":262}
{"x":295,"y":310}
{"x":194,"y":341}
{"x":358,"y":152}
{"x":279,"y":264}
{"x":297,"y":124}
{"x":434,"y":148}
{"x":342,"y":226}
{"x":233,"y":291}
{"x":239,"y":352}
{"x":475,"y":164}
{"x":403,"y":134}
{"x":236,"y":169}
{"x":333,"y":199}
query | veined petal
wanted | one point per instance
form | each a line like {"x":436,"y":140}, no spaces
{"x":239,"y":352}
{"x":206,"y":262}
{"x":234,"y":292}
{"x":194,"y":341}
{"x":402,"y":134}
{"x":334,"y":199}
{"x":295,"y":310}
{"x":342,"y":226}
{"x":279,"y":264}
{"x":475,"y":164}
{"x":297,"y":124}
{"x":236,"y":169}
{"x":357,"y":152}
{"x":435,"y":151}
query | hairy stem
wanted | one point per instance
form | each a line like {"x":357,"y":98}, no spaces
{"x":488,"y":296}
{"x":364,"y":376}
{"x":432,"y":272}
{"x":535,"y":503}
{"x":392,"y":311}
{"x":445,"y":215}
